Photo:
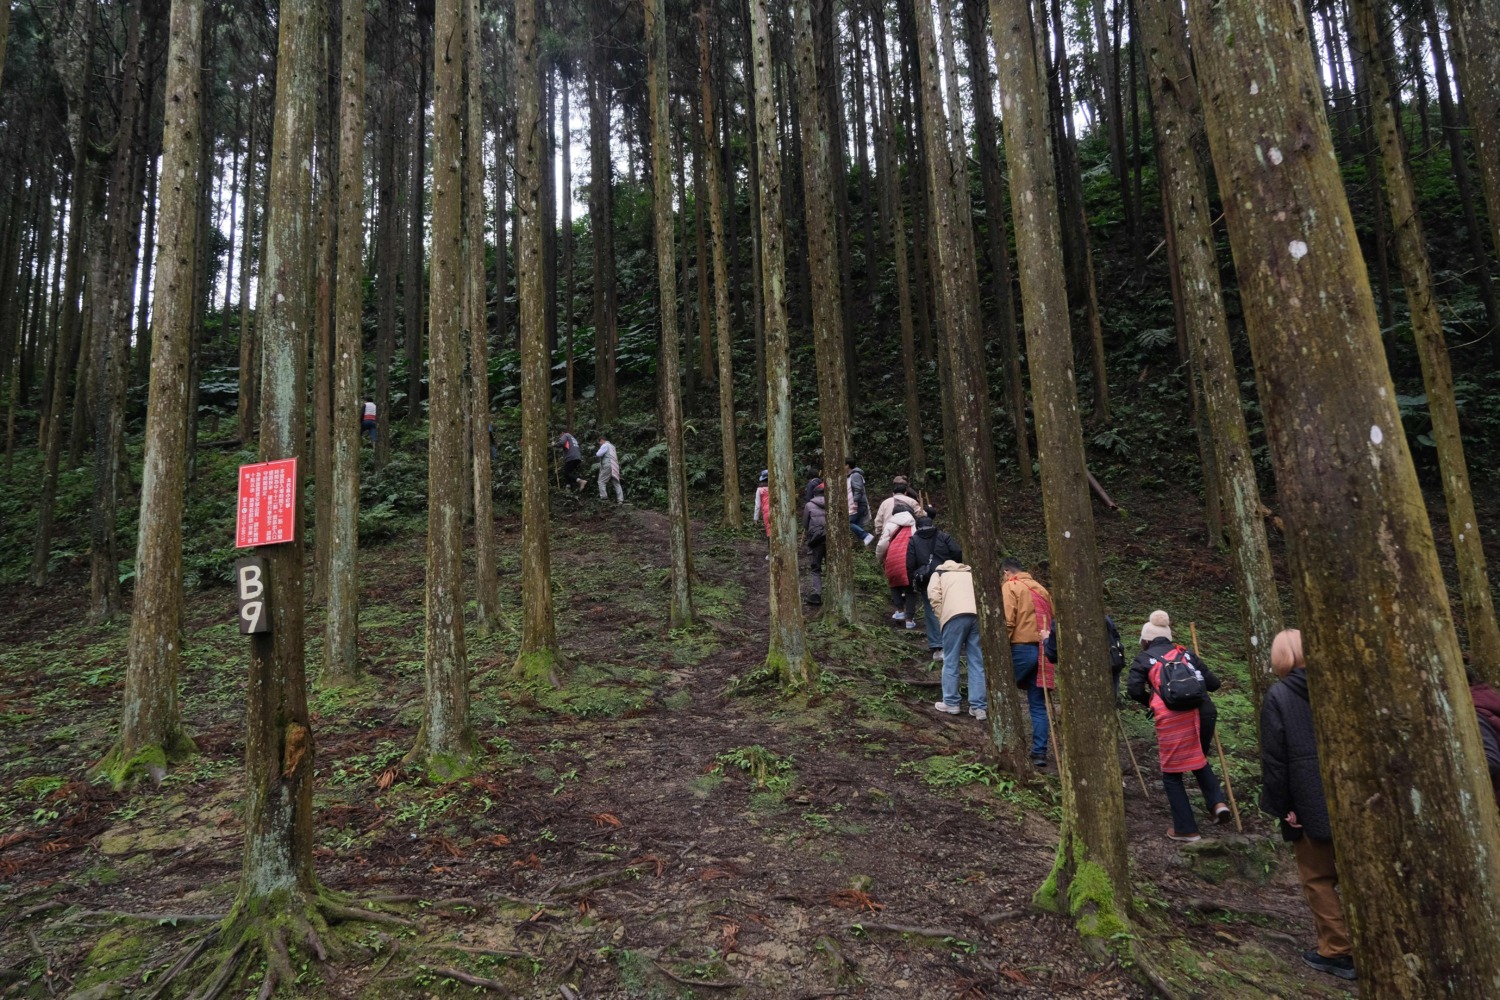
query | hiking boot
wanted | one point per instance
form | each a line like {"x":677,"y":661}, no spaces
{"x":899,"y":616}
{"x":979,"y":714}
{"x":1341,"y":966}
{"x":1222,"y":814}
{"x":1185,"y":838}
{"x":1038,"y":761}
{"x":814,"y":598}
{"x":945,"y":708}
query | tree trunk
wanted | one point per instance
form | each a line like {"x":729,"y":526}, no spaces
{"x":727,"y":438}
{"x":661,"y":177}
{"x":150,"y":720}
{"x":538,"y":633}
{"x":828,"y":289}
{"x":788,"y":658}
{"x":1453,"y":131}
{"x":994,"y":219}
{"x":412,"y":290}
{"x":566,"y":207}
{"x":476,"y":319}
{"x":326,"y":205}
{"x":1415,"y":821}
{"x":1093,"y":832}
{"x":249,"y":357}
{"x":1174,"y":94}
{"x":503,"y":136}
{"x":973,"y":462}
{"x":342,"y":528}
{"x":1476,"y":52}
{"x":112,"y":346}
{"x":387,"y":245}
{"x":1432,"y":349}
{"x":446,"y":741}
{"x":601,"y":221}
{"x":278,"y":874}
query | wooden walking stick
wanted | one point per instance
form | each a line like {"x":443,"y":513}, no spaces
{"x":1052,"y":741}
{"x":1131,"y":750}
{"x":1223,"y":761}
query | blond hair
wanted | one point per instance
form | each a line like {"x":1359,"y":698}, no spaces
{"x":1286,"y":652}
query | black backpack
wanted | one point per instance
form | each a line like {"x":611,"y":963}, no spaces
{"x":1116,"y":647}
{"x":1180,"y":683}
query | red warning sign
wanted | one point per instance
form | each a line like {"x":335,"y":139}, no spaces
{"x":267,"y":511}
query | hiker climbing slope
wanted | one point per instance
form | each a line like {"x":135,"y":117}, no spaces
{"x":1028,"y":617}
{"x":609,"y":469}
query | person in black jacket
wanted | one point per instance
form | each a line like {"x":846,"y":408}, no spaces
{"x":929,"y":548}
{"x":1292,"y":791}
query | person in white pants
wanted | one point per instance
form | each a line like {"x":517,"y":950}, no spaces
{"x":609,"y":470}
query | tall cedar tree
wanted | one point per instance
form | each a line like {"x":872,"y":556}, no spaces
{"x":538,"y":632}
{"x":150,"y":720}
{"x":972,"y":465}
{"x":601,"y":212}
{"x":1432,"y":348}
{"x":325,"y":255}
{"x":788,"y":657}
{"x":342,"y":645}
{"x":1174,"y":94}
{"x":1093,"y":830}
{"x":1476,"y":50}
{"x":446,"y":740}
{"x":666,"y":276}
{"x":725,"y":341}
{"x":1413,"y":816}
{"x":476,"y":322}
{"x":828,"y":292}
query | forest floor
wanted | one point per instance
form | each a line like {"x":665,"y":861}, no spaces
{"x":658,"y":825}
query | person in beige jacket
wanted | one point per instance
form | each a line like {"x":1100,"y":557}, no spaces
{"x":951,"y":594}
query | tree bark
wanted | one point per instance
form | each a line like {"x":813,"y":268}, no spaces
{"x":727,"y":437}
{"x":1432,"y":349}
{"x":446,"y":740}
{"x":387,"y":238}
{"x":1415,"y":821}
{"x":150,"y":720}
{"x":412,"y":290}
{"x":1174,"y":94}
{"x":342,"y":644}
{"x":538,"y":633}
{"x":486,"y":573}
{"x":661,"y":177}
{"x":828,"y":290}
{"x":1476,"y":52}
{"x":973,"y":462}
{"x":278,"y":744}
{"x":566,"y":207}
{"x":601,"y":220}
{"x":326,"y":205}
{"x":249,"y":357}
{"x":1093,"y":832}
{"x":788,"y":658}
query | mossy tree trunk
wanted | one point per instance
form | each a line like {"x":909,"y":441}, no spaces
{"x":666,"y":274}
{"x":476,"y":322}
{"x":342,"y":644}
{"x":538,"y":634}
{"x":1174,"y":94}
{"x":1476,"y":51}
{"x":278,"y":743}
{"x":446,"y":740}
{"x":1432,"y":348}
{"x":972,"y":463}
{"x":724,"y":334}
{"x":788,"y":657}
{"x":1413,"y":816}
{"x":828,"y":292}
{"x":1093,"y":832}
{"x":150,"y":720}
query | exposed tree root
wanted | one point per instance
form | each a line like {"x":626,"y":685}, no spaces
{"x":467,"y":979}
{"x":189,"y":956}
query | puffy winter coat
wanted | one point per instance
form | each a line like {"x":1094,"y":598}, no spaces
{"x":1290,"y":779}
{"x":815,"y":520}
{"x":929,"y":548}
{"x":1179,"y":734}
{"x":858,"y":501}
{"x":763,"y":507}
{"x":951,"y":591}
{"x":891,"y":549}
{"x":898,"y":520}
{"x":891,"y":504}
{"x":1020,"y":592}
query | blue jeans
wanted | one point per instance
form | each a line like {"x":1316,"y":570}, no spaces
{"x":934,"y":630}
{"x":369,"y":428}
{"x":961,"y":637}
{"x":1023,"y":658}
{"x":856,"y":529}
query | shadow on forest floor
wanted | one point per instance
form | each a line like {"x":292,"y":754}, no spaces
{"x":658,"y":826}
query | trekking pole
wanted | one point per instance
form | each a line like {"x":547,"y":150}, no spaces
{"x":1131,"y":750}
{"x":1223,"y":761}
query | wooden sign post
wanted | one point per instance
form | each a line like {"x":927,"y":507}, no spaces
{"x":265,"y":515}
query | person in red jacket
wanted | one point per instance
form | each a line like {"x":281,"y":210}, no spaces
{"x":890,"y":551}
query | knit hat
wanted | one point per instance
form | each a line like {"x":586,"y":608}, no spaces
{"x":1158,"y":627}
{"x":765,"y":475}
